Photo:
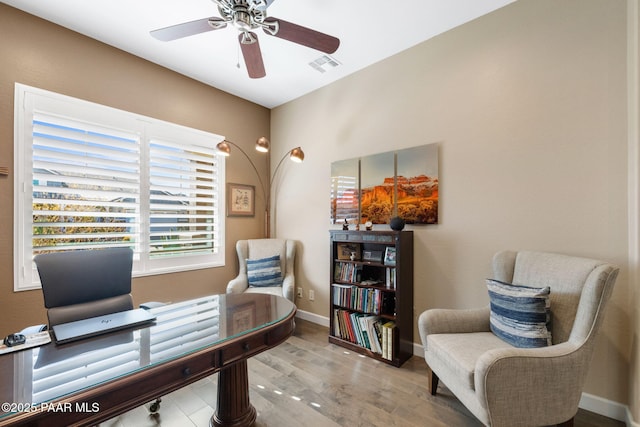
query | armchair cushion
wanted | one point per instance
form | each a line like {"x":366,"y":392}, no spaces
{"x":460,"y":351}
{"x":520,"y":314}
{"x":264,"y":272}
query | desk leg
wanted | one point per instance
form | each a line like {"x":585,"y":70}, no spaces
{"x":234,"y":408}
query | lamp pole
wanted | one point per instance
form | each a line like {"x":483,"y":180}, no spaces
{"x":296,"y":154}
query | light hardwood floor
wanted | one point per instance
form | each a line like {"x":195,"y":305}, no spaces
{"x":308,"y":382}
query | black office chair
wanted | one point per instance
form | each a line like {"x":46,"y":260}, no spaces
{"x":86,"y":283}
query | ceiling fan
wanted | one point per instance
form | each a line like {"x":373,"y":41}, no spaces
{"x":245,"y":16}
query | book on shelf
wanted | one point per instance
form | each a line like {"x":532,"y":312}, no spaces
{"x":387,"y":340}
{"x":374,"y":341}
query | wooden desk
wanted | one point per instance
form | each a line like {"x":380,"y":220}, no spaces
{"x":90,"y":381}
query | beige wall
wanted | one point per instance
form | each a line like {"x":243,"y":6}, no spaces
{"x":40,"y":54}
{"x":528,"y":105}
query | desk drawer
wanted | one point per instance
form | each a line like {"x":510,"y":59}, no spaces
{"x":242,"y":349}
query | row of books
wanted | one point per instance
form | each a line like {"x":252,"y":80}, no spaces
{"x":372,"y":332}
{"x":368,"y":300}
{"x":347,"y":272}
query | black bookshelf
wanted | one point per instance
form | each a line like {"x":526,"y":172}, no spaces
{"x":371,"y":295}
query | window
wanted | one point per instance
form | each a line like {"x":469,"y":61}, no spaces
{"x":90,"y":176}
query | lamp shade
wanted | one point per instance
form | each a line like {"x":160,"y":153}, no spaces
{"x":262,"y":144}
{"x":297,"y":155}
{"x":223,"y":148}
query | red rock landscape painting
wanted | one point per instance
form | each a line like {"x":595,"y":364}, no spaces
{"x":409,"y":175}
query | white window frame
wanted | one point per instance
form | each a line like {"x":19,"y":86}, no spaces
{"x":29,"y":99}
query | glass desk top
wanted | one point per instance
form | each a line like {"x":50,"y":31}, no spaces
{"x":53,"y":371}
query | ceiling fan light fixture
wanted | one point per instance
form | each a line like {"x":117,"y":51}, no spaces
{"x":242,"y":20}
{"x":262,"y":144}
{"x":297,"y":155}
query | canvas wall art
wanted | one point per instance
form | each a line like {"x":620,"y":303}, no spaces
{"x":379,"y":187}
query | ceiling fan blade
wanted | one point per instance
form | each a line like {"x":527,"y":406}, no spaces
{"x":252,"y":55}
{"x":187,"y":29}
{"x":301,"y":35}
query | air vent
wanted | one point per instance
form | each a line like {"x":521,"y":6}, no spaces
{"x":324,"y":63}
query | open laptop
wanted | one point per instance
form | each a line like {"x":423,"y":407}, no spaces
{"x":73,"y":331}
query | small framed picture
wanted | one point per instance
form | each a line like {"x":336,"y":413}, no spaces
{"x":372,"y":256}
{"x":348,"y":251}
{"x":390,"y":256}
{"x":241,"y":200}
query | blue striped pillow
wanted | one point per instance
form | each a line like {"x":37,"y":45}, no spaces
{"x":264,"y":272}
{"x":520,"y":314}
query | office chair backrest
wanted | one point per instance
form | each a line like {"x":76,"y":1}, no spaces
{"x":86,"y":283}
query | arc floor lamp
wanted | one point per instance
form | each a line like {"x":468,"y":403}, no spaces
{"x":263,"y":145}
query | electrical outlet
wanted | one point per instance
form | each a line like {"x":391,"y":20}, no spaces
{"x":299,"y":292}
{"x":312,"y":295}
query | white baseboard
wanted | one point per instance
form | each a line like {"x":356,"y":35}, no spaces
{"x":589,"y":402}
{"x":607,"y":408}
{"x":312,"y":317}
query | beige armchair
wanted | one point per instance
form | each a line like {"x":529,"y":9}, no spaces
{"x":259,"y":249}
{"x":507,"y":386}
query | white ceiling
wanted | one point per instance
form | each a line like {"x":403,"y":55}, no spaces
{"x":369,"y":32}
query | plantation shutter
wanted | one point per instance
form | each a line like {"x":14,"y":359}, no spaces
{"x":86,"y":185}
{"x":183,"y":198}
{"x":90,"y":176}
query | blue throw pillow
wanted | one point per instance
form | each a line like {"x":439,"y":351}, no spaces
{"x":520,"y":315}
{"x":264,"y":272}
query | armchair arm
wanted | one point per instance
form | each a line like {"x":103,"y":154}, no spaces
{"x":288,"y":286}
{"x":551,"y":378}
{"x":448,"y":321}
{"x":238,"y":285}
